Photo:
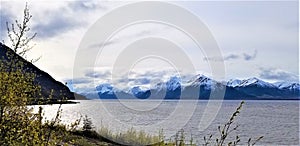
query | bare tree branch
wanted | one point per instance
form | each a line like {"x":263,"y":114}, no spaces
{"x":18,"y":34}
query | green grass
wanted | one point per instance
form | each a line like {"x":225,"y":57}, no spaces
{"x":131,"y":137}
{"x":104,"y":136}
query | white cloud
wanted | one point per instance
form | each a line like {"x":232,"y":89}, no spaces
{"x":271,"y":29}
{"x":272,"y":73}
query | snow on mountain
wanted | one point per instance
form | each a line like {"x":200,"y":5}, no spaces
{"x":202,"y":80}
{"x":105,"y":88}
{"x":159,"y":86}
{"x":287,"y":85}
{"x":255,"y":81}
{"x":138,"y":89}
{"x":252,"y":88}
{"x":140,"y":92}
{"x":173,"y":83}
{"x":234,"y":82}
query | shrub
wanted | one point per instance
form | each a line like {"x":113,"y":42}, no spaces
{"x":18,"y":124}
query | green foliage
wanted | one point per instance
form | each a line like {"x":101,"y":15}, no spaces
{"x":18,"y":124}
{"x":87,"y":124}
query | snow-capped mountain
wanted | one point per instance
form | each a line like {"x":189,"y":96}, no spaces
{"x":254,"y":82}
{"x":173,"y":88}
{"x":106,"y":91}
{"x":141,"y":93}
{"x":173,"y":83}
{"x":201,"y":87}
{"x":200,"y":80}
{"x":105,"y":88}
{"x":233,"y":82}
{"x":290,"y":86}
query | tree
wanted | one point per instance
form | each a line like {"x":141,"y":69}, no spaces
{"x":87,"y":124}
{"x":19,"y":35}
{"x":18,"y":124}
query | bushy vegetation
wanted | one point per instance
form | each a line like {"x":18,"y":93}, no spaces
{"x":18,"y":124}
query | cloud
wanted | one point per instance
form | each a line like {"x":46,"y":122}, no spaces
{"x":102,"y":44}
{"x":127,"y":36}
{"x":214,"y":59}
{"x":232,"y":56}
{"x":55,"y":26}
{"x":277,"y":74}
{"x":248,"y":57}
{"x":141,"y":81}
{"x":5,"y":16}
{"x":60,"y":20}
{"x":56,"y":22}
{"x":97,"y":74}
{"x":86,"y":5}
{"x":225,"y":58}
{"x":78,"y":81}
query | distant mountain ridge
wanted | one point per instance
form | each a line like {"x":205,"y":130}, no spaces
{"x":202,"y":87}
{"x":43,"y":79}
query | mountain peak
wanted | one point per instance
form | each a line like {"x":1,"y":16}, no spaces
{"x":252,"y":88}
{"x":201,"y":79}
{"x":105,"y":88}
{"x":140,"y":92}
{"x":234,"y":82}
{"x":173,"y":83}
{"x":255,"y":81}
{"x":286,"y":85}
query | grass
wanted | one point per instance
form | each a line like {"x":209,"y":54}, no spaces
{"x":131,"y":137}
{"x":104,"y":136}
{"x":87,"y":135}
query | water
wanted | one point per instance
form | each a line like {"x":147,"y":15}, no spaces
{"x":277,"y":121}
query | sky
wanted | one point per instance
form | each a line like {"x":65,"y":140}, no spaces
{"x":255,"y":38}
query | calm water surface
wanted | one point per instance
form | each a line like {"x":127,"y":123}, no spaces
{"x":277,"y":121}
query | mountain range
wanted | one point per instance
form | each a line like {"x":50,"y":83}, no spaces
{"x":203,"y":87}
{"x":198,"y":87}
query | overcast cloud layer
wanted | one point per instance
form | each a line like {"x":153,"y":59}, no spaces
{"x":257,"y":39}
